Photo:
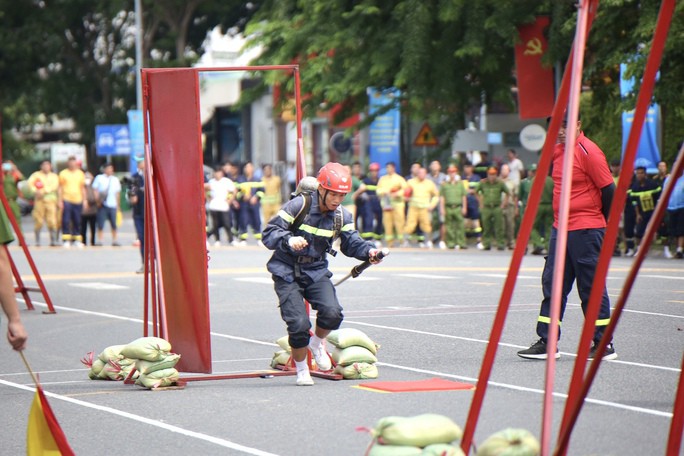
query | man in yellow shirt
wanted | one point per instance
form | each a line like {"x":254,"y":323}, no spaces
{"x":272,"y":199}
{"x":44,"y":185}
{"x":422,"y":200}
{"x":390,"y":189}
{"x":72,"y":200}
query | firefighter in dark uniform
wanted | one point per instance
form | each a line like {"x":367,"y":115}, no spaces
{"x":489,"y":192}
{"x":299,"y":266}
{"x":644,"y":195}
{"x":371,"y":210}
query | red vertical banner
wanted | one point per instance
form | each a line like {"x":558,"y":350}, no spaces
{"x":535,"y":81}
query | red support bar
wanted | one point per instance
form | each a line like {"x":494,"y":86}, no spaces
{"x":674,"y":443}
{"x":301,"y":161}
{"x":516,"y":260}
{"x":20,"y":288}
{"x":574,"y":401}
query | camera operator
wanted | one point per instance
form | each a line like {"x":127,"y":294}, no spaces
{"x":135,"y":192}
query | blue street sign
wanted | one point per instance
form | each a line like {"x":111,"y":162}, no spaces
{"x":112,"y":140}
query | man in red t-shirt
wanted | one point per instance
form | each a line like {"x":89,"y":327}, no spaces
{"x":590,"y":198}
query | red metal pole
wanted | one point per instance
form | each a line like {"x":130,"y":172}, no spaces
{"x":649,"y":235}
{"x":301,"y":161}
{"x":563,"y":216}
{"x":591,"y":314}
{"x":148,"y":278}
{"x":674,"y":443}
{"x":22,"y":242}
{"x":516,"y":260}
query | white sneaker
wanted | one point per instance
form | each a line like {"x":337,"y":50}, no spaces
{"x":428,"y":244}
{"x":630,"y":253}
{"x":378,"y":244}
{"x":66,"y":244}
{"x":242,"y":243}
{"x":259,"y":243}
{"x":666,"y":253}
{"x":457,"y":247}
{"x":304,"y":378}
{"x":217,"y":244}
{"x":78,"y":244}
{"x":480,"y":246}
{"x":442,"y":245}
{"x":321,"y":357}
{"x":234,"y":243}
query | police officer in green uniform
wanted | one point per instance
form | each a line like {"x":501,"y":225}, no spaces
{"x":489,"y":193}
{"x":541,"y":229}
{"x":453,"y":207}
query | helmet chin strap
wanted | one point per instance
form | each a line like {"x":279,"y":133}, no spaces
{"x":325,"y":196}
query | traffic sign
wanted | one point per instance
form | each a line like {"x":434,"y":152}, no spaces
{"x":112,"y":140}
{"x":425,"y":137}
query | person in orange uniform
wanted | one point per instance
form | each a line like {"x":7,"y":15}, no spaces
{"x":423,"y":200}
{"x":390,"y":189}
{"x":44,"y":184}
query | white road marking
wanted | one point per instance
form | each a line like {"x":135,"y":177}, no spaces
{"x":99,"y":286}
{"x":653,"y":276}
{"x":427,"y":276}
{"x":264,"y":280}
{"x":448,"y":336}
{"x":141,"y":419}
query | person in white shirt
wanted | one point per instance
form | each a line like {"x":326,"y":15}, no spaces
{"x":515,"y":166}
{"x":107,"y":189}
{"x":220,"y":191}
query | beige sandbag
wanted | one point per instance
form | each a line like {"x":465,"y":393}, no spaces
{"x":394,"y":450}
{"x":284,"y":343}
{"x":510,"y":442}
{"x":147,"y":348}
{"x":357,"y":371}
{"x":350,"y":355}
{"x":147,"y":367}
{"x":95,"y":369}
{"x":113,"y":370}
{"x":111,"y":352}
{"x":442,"y":449}
{"x":349,"y":337}
{"x":160,"y":378}
{"x":280,"y":358}
{"x":421,"y":430}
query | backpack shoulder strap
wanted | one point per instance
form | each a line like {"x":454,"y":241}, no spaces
{"x":338,"y":222}
{"x":303,"y":212}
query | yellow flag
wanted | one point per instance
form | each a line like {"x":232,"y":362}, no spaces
{"x":44,"y":437}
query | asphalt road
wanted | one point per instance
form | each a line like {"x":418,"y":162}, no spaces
{"x":431,"y":312}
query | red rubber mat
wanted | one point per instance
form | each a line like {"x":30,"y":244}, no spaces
{"x":431,"y":384}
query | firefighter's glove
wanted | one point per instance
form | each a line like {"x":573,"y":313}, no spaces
{"x":373,"y":256}
{"x":297,"y":243}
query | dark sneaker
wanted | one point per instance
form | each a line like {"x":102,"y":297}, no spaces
{"x":537,"y":351}
{"x":609,"y":353}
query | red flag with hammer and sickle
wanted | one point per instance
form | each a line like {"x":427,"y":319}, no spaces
{"x":535,"y":81}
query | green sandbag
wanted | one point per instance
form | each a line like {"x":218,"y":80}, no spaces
{"x":115,"y":371}
{"x":349,"y":337}
{"x":394,"y":450}
{"x":355,"y":354}
{"x":95,"y":369}
{"x":160,"y":378}
{"x":280,"y":358}
{"x":421,"y":430}
{"x":284,"y":343}
{"x":147,"y":367}
{"x":111,"y":352}
{"x":442,"y":449}
{"x":357,"y":371}
{"x":147,"y":348}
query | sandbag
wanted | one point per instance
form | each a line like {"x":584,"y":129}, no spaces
{"x":510,"y":442}
{"x":394,"y":450}
{"x":349,"y":337}
{"x":160,"y":378}
{"x":357,"y":371}
{"x":442,"y":449}
{"x":284,"y":343}
{"x":95,"y":369}
{"x":147,"y":367}
{"x":111,"y":352}
{"x":147,"y":348}
{"x":355,"y":354}
{"x":421,"y":430}
{"x":280,"y":358}
{"x":114,"y":370}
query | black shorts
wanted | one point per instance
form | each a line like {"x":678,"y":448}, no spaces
{"x":676,"y":222}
